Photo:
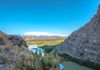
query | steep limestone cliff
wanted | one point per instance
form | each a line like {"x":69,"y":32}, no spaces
{"x":84,"y":43}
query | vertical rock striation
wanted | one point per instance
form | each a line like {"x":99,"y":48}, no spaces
{"x":85,"y":42}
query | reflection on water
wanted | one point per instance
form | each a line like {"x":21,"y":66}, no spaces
{"x":61,"y":66}
{"x":69,"y":65}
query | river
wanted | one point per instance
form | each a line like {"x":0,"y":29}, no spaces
{"x":67,"y":65}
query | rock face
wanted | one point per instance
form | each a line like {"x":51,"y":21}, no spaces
{"x":14,"y":55}
{"x":17,"y":40}
{"x":85,"y":42}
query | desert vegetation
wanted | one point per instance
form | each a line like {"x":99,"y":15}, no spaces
{"x":14,"y":55}
{"x":28,"y":61}
{"x":47,"y":41}
{"x":50,"y":61}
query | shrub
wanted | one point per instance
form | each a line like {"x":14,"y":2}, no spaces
{"x":50,"y":61}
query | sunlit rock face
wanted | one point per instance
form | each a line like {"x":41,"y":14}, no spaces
{"x":17,"y":40}
{"x":85,"y":42}
{"x":98,"y":9}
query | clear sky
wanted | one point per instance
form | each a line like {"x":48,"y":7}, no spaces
{"x":54,"y":16}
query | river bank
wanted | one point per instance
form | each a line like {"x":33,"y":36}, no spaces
{"x":67,"y":63}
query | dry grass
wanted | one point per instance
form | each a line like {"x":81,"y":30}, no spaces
{"x":45,"y":41}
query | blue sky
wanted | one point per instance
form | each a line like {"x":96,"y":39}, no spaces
{"x":54,"y":16}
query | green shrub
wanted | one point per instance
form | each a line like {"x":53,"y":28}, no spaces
{"x":50,"y":61}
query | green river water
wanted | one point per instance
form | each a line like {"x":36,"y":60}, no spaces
{"x":69,"y":65}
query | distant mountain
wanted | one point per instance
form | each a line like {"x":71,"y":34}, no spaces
{"x":84,"y":43}
{"x":43,"y":40}
{"x":42,"y":34}
{"x":41,"y":37}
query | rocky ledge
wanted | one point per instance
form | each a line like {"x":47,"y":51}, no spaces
{"x":14,"y":54}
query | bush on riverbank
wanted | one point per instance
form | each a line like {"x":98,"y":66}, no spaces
{"x":48,"y":48}
{"x":50,"y":61}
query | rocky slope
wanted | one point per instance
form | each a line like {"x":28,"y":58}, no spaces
{"x":14,"y":54}
{"x":84,"y":43}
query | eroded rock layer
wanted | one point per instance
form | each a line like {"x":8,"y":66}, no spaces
{"x":85,"y":42}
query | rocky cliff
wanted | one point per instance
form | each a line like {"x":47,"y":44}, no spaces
{"x":84,"y":43}
{"x":14,"y":54}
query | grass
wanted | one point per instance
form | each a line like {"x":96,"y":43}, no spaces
{"x":45,"y":41}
